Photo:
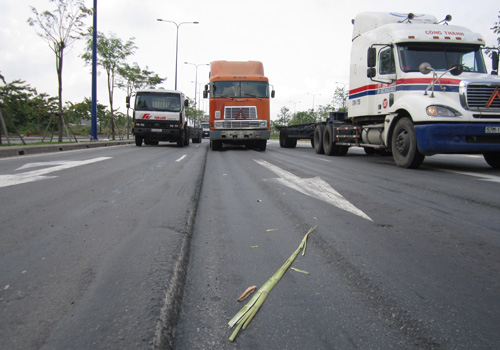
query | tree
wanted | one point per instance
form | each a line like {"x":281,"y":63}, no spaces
{"x":496,"y":30}
{"x":60,"y":28}
{"x":284,"y":117}
{"x":195,"y":115}
{"x":340,"y":97}
{"x":324,"y":112}
{"x":26,"y":108}
{"x":133,"y":78}
{"x":303,"y":118}
{"x":111,"y":54}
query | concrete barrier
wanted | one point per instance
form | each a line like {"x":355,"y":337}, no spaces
{"x":23,"y":150}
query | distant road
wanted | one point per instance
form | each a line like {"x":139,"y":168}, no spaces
{"x":92,"y":242}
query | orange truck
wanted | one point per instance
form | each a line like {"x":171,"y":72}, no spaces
{"x":239,"y":104}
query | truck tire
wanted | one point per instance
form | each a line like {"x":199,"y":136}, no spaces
{"x":261,"y":145}
{"x":404,"y":145}
{"x":286,"y":141}
{"x":186,"y":137}
{"x":215,"y":145}
{"x":330,"y":145}
{"x":181,"y":141}
{"x":318,"y":139}
{"x":282,"y":138}
{"x":493,"y":159}
{"x":138,"y":141}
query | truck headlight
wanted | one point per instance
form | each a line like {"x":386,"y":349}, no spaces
{"x":263,"y":123}
{"x":442,"y":111}
{"x":218,"y":125}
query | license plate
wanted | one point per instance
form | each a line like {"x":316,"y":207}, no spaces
{"x":156,"y":130}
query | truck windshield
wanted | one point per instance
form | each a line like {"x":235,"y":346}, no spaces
{"x":158,"y":101}
{"x":230,"y":89}
{"x":441,"y":56}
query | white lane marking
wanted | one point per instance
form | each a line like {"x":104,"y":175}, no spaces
{"x":482,"y":177}
{"x":181,"y":158}
{"x":314,"y":187}
{"x":36,"y":175}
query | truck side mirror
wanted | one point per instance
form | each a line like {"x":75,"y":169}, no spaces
{"x":494,"y":62}
{"x":371,"y":62}
{"x":272,"y":93}
{"x":127,"y":101}
{"x":371,"y":57}
{"x":205,"y":92}
{"x":186,"y":103}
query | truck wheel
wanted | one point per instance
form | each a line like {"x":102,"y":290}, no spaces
{"x":330,"y":145}
{"x":404,"y":145}
{"x":261,"y":146}
{"x":138,"y":141}
{"x":181,"y":141}
{"x":186,"y":137}
{"x":215,"y":145}
{"x":282,"y":138}
{"x":493,"y":159}
{"x":318,"y":139}
{"x":287,"y":142}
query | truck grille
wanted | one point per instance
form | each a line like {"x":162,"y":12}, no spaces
{"x":238,"y":112}
{"x":240,"y":124}
{"x":479,"y":96}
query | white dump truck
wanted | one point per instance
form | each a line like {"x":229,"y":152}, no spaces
{"x":160,"y":115}
{"x":417,"y":87}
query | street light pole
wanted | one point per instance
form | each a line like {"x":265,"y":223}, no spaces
{"x":196,"y":78}
{"x":294,"y":106}
{"x":176,"y":42}
{"x":93,"y":120}
{"x":313,"y":95}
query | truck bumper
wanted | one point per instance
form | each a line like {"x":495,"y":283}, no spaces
{"x":239,"y":135}
{"x":158,"y":134}
{"x":458,"y":138}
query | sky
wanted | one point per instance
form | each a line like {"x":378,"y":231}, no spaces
{"x":304,"y":45}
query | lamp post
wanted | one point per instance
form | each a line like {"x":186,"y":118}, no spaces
{"x":313,"y":95}
{"x":294,"y":106}
{"x":196,"y":79}
{"x":93,"y":125}
{"x":176,"y":42}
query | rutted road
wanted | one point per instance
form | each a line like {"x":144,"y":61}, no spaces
{"x":412,"y":263}
{"x":404,"y":259}
{"x":88,"y":247}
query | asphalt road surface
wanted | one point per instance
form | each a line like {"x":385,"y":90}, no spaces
{"x":400,"y":259}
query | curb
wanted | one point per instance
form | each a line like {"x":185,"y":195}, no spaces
{"x":24,"y":150}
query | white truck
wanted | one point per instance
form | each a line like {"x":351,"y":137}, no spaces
{"x":160,"y":115}
{"x":417,"y":87}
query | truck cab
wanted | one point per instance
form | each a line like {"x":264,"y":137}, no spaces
{"x":239,"y":104}
{"x":160,"y":115}
{"x":420,"y":87}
